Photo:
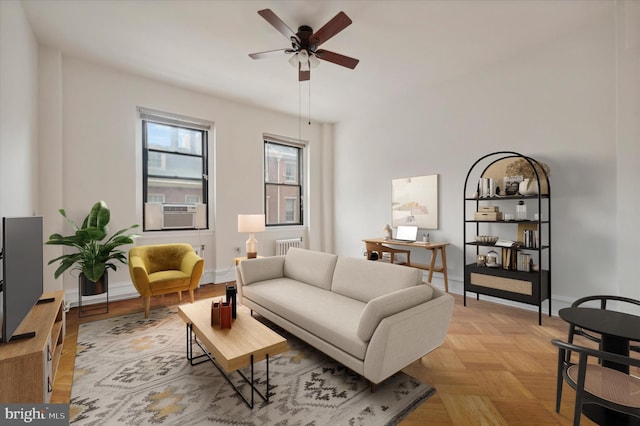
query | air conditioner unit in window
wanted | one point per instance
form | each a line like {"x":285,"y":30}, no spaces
{"x":176,"y":216}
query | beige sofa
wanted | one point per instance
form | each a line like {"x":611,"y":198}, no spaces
{"x":375,"y":318}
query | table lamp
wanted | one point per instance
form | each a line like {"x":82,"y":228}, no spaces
{"x":251,"y":223}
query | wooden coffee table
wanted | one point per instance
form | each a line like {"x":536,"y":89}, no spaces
{"x":245,"y":343}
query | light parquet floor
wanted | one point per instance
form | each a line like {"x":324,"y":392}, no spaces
{"x":496,"y":367}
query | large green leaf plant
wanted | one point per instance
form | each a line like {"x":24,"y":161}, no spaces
{"x":95,"y":252}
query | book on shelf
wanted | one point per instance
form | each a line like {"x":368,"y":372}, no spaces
{"x":509,"y":259}
{"x":528,"y":235}
{"x":506,"y":243}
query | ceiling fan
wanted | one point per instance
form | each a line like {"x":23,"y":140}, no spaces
{"x":305,"y":43}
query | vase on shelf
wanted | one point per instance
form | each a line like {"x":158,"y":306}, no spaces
{"x":528,"y":187}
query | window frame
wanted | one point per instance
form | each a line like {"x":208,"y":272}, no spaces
{"x":301,"y":148}
{"x":180,"y":122}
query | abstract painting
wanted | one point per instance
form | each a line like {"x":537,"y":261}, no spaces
{"x":414,"y":201}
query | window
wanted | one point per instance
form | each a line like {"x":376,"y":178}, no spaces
{"x":283,"y":174}
{"x":174,"y":158}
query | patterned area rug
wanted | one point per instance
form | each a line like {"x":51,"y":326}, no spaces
{"x":134,"y":371}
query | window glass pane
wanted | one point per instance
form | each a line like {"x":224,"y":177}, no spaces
{"x":283,"y":204}
{"x":281,"y":163}
{"x":290,"y":206}
{"x":174,"y":190}
{"x":174,"y":139}
{"x":174,"y":165}
{"x":155,"y":198}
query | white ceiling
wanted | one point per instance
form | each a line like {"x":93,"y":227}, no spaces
{"x":403,"y":46}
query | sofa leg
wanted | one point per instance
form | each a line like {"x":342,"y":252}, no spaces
{"x":147,"y":306}
{"x":373,"y":387}
{"x":179,"y":296}
{"x":192,"y":296}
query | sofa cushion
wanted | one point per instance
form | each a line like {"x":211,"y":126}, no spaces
{"x":365,"y":280}
{"x":310,"y":267}
{"x":327,"y":315}
{"x":388,"y":304}
{"x":260,"y":269}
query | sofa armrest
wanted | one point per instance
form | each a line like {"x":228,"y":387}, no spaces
{"x":407,"y":336}
{"x":255,"y":270}
{"x":261,"y":269}
{"x":139,"y":275}
{"x":189,"y":261}
{"x":389,"y":304}
{"x":192,"y":265}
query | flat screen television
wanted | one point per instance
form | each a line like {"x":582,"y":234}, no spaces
{"x":22,"y":269}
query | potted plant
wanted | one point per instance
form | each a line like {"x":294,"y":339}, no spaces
{"x":95,"y":252}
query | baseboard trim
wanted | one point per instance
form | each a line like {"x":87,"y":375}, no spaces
{"x":125,"y":290}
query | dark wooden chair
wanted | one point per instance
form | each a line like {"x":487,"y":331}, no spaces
{"x":602,"y":299}
{"x":595,"y":384}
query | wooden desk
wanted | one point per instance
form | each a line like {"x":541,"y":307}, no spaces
{"x":379,"y":244}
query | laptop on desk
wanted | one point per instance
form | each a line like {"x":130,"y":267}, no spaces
{"x":406,"y":234}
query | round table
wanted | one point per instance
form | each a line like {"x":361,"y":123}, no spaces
{"x":616,"y":329}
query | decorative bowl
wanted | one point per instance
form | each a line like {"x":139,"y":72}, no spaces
{"x":486,"y":239}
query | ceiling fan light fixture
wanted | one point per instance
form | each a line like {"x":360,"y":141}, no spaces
{"x":303,"y":56}
{"x":303,"y":59}
{"x":293,"y":60}
{"x":313,"y":61}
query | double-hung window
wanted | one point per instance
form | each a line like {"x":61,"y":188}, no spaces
{"x":283,"y":182}
{"x":175,"y":167}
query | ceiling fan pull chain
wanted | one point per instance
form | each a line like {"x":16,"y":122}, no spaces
{"x":309,"y":102}
{"x":299,"y":110}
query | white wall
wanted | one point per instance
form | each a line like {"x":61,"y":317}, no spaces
{"x":628,"y":145}
{"x":50,"y":158}
{"x":100,"y":158}
{"x":18,"y":113}
{"x":555,"y":102}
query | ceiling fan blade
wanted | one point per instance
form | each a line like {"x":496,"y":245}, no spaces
{"x":277,"y":23}
{"x":331,"y":28}
{"x":337,"y":58}
{"x":303,"y":75}
{"x":268,"y":53}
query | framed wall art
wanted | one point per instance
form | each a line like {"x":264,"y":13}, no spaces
{"x":414,"y":201}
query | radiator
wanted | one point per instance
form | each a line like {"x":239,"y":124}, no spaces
{"x":282,"y":246}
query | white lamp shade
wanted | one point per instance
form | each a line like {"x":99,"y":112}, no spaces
{"x":251,"y":223}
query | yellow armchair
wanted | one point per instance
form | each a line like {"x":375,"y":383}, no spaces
{"x":164,"y":268}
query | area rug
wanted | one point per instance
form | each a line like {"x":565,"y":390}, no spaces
{"x":134,"y":371}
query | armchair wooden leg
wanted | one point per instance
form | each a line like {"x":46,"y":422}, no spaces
{"x":147,"y":306}
{"x":179,"y":296}
{"x":192,"y":296}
